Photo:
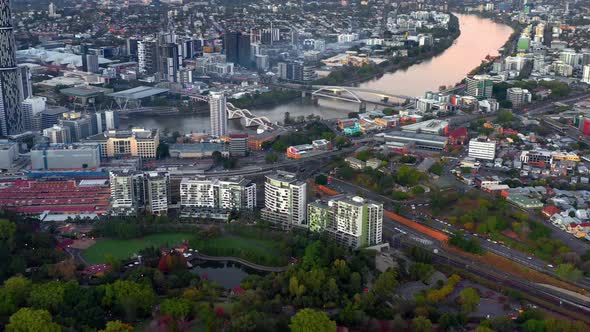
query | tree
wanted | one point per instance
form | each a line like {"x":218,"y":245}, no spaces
{"x":469,"y":299}
{"x":346,"y":172}
{"x":30,"y":320}
{"x":130,"y":297}
{"x":18,"y":289}
{"x":555,"y":325}
{"x":7,"y":230}
{"x":163,"y":150}
{"x":386,"y":285}
{"x":568,"y":272}
{"x":117,"y":326}
{"x":321,"y":179}
{"x":309,"y":320}
{"x":436,"y":168}
{"x":421,"y":324}
{"x":177,"y":308}
{"x":271,"y":158}
{"x":340,"y":141}
{"x":48,"y":296}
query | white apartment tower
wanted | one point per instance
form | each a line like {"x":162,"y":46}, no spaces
{"x":157,"y":192}
{"x":483,"y":149}
{"x":218,"y":114}
{"x":586,"y":74}
{"x":352,"y":221}
{"x":285,"y":200}
{"x":216,"y":198}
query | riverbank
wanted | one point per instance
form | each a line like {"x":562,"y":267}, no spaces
{"x":415,"y":56}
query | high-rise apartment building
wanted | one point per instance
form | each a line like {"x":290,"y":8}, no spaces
{"x":479,"y":86}
{"x":126,"y":192}
{"x":285,"y":200}
{"x":218,"y":114}
{"x":586,"y":74}
{"x":12,"y":120}
{"x":147,"y":56}
{"x":518,"y":96}
{"x":352,"y":221}
{"x":157,"y":192}
{"x":203,"y":197}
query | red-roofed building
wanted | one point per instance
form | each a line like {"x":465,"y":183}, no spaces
{"x":458,"y":136}
{"x":63,"y":197}
{"x":550,"y":210}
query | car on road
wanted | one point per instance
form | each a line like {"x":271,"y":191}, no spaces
{"x":549,"y":266}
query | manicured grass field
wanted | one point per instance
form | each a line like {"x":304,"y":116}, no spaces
{"x":122,"y":249}
{"x":256,"y":250}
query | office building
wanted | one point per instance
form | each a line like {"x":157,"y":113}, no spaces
{"x":203,"y":197}
{"x":482,"y":148}
{"x":84,"y":51}
{"x":8,"y":154}
{"x":285,"y":200}
{"x":58,"y":134}
{"x":570,"y":57}
{"x":32,"y":108}
{"x":169,"y":62}
{"x":51,"y":115}
{"x":352,"y":221}
{"x":65,"y":156}
{"x":132,"y":46}
{"x":238,"y":145}
{"x":432,"y":127}
{"x":262,"y":62}
{"x":518,"y":96}
{"x":12,"y":119}
{"x":157,"y":192}
{"x":25,"y":85}
{"x":396,"y":139}
{"x":291,"y":71}
{"x":81,"y":125}
{"x":218,"y":114}
{"x":92,"y":63}
{"x":52,"y":10}
{"x":237,"y":48}
{"x":586,"y":74}
{"x":479,"y":86}
{"x":106,"y":120}
{"x":137,"y":142}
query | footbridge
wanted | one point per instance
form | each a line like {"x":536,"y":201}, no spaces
{"x":233,"y":112}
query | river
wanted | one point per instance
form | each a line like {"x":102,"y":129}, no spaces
{"x":479,"y":37}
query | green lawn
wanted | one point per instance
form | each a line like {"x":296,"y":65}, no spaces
{"x":264,"y":252}
{"x":122,"y":249}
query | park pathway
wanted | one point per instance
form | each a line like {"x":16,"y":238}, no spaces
{"x":241,"y":261}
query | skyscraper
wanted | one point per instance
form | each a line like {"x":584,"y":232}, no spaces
{"x":25,"y":85}
{"x":218,"y":114}
{"x":11,"y":115}
{"x":237,"y":48}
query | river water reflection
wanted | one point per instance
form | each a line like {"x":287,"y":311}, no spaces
{"x":479,"y":38}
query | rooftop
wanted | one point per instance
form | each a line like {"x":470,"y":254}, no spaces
{"x":139,"y":92}
{"x":86,"y":91}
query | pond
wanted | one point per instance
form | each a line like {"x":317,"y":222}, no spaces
{"x":227,"y":274}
